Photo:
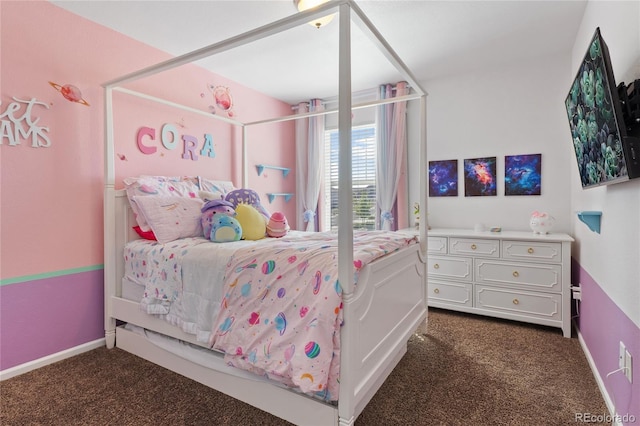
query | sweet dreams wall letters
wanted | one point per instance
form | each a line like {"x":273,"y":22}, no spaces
{"x":16,"y":126}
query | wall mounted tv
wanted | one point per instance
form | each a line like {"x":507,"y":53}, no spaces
{"x":607,"y":149}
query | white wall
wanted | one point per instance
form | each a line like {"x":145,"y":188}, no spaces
{"x":612,"y":257}
{"x":507,"y":111}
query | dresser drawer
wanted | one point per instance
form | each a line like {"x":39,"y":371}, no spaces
{"x":539,"y":305}
{"x":460,"y":294}
{"x":474,"y":247}
{"x":532,"y":276}
{"x":532,"y":251}
{"x":437,"y":245}
{"x":459,"y":268}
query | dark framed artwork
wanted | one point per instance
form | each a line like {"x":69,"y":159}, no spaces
{"x":443,"y":178}
{"x":522,"y":174}
{"x":480,"y":177}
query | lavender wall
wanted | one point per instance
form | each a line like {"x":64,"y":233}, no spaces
{"x":44,"y":316}
{"x":603,"y":325}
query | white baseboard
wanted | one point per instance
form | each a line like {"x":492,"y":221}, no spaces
{"x":50,"y":359}
{"x":603,"y":390}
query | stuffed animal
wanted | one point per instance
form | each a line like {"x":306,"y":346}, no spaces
{"x":277,"y":226}
{"x":225,"y":229}
{"x":252,"y":222}
{"x":247,"y":196}
{"x":211,"y":210}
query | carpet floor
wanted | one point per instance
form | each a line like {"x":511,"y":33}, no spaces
{"x":459,"y":369}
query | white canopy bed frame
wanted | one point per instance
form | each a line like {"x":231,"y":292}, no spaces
{"x":380,"y":313}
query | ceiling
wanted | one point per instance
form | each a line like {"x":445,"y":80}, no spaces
{"x":433,"y":38}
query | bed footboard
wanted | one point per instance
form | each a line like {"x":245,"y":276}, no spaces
{"x":389,"y":304}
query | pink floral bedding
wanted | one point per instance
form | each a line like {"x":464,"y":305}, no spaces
{"x":282,"y":307}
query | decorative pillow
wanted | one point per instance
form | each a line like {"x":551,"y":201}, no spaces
{"x":157,"y":185}
{"x":225,"y":229}
{"x":219,"y":186}
{"x":170,"y":217}
{"x":147,"y":235}
{"x":210,"y":196}
{"x":251,"y":221}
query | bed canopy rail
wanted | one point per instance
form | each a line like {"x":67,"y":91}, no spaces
{"x":348,"y":13}
{"x":327,"y":111}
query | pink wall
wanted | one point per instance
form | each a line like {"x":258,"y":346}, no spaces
{"x":51,"y":216}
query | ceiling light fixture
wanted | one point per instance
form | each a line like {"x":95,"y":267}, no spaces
{"x":303,"y":5}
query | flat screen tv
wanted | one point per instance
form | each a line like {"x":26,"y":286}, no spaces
{"x":596,"y":121}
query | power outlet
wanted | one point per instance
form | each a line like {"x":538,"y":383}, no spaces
{"x":628,"y":363}
{"x":625,"y":362}
{"x":577,"y":293}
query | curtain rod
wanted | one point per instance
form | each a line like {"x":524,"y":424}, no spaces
{"x":335,"y":110}
{"x":359,"y":94}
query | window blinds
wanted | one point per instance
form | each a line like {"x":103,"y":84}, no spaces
{"x":363,"y":139}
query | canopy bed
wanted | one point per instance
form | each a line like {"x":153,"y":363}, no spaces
{"x":381,"y":303}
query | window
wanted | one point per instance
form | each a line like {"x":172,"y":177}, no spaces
{"x":363,"y":139}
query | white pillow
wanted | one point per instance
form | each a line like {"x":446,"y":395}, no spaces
{"x":158,"y":185}
{"x":216,"y":186}
{"x":171,"y":218}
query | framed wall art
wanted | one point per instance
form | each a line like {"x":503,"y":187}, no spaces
{"x":522,"y":174}
{"x":480,"y":177}
{"x":443,"y":178}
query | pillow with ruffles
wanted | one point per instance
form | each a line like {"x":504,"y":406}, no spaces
{"x":171,"y":217}
{"x":141,"y":186}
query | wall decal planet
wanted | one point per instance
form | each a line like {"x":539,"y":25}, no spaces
{"x":70,"y":93}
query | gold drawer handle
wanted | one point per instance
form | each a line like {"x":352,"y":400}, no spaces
{"x":516,"y":301}
{"x":530,"y":250}
{"x":473,"y":247}
{"x":436,"y":290}
{"x":516,"y":274}
{"x":436,"y":266}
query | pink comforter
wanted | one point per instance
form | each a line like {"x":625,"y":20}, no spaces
{"x":282,"y":309}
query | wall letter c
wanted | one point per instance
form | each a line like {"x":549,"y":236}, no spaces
{"x":146,"y":131}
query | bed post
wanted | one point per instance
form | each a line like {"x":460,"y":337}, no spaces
{"x":346,"y":407}
{"x":109,"y":220}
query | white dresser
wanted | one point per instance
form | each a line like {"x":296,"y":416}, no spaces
{"x":519,"y":276}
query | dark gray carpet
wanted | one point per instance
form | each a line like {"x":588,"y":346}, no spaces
{"x":463,"y":370}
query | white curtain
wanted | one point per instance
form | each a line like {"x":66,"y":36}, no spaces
{"x":392,"y":140}
{"x":309,"y":164}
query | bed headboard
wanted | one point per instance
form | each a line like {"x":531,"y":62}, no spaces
{"x":123,"y":228}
